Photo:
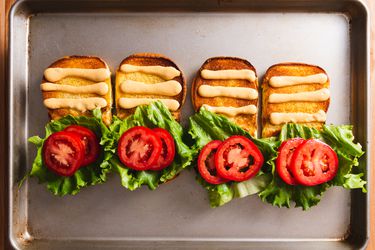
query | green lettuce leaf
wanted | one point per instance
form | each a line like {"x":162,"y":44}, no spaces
{"x":155,"y":115}
{"x":349,"y":175}
{"x":251,"y":186}
{"x":217,"y":194}
{"x":92,"y":174}
{"x":206,"y":126}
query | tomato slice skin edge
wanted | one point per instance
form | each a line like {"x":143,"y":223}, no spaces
{"x":203,"y":169}
{"x":145,"y":138}
{"x":90,"y":142}
{"x":168,"y":144}
{"x":63,"y":146}
{"x":308,"y":162}
{"x":283,"y":160}
{"x":247,"y":149}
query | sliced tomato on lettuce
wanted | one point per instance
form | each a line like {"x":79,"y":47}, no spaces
{"x":314,"y":163}
{"x":350,"y":174}
{"x":152,"y":116}
{"x":139,"y":148}
{"x":90,"y":142}
{"x":284,"y":158}
{"x":168,"y":149}
{"x":206,"y":126}
{"x":94,"y":173}
{"x":238,"y":159}
{"x":206,"y":163}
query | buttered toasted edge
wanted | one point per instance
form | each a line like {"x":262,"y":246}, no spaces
{"x":76,"y":85}
{"x":145,"y":78}
{"x":228,"y":86}
{"x":294,"y":92}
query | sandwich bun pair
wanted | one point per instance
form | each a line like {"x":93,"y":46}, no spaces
{"x":76,"y":85}
{"x":291,"y":93}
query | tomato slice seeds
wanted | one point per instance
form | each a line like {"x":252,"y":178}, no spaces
{"x":284,"y":158}
{"x":90,"y":143}
{"x":139,"y":148}
{"x":63,"y":153}
{"x":206,"y":163}
{"x":238,"y":159}
{"x":314,"y":163}
{"x":167,"y":151}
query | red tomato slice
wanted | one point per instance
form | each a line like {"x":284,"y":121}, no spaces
{"x":90,"y":143}
{"x":283,"y":160}
{"x":63,"y":153}
{"x":238,"y":159}
{"x":313,"y":163}
{"x":206,"y":163}
{"x":139,"y":148}
{"x":167,"y":149}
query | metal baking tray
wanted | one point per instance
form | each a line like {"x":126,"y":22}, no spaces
{"x":331,"y":33}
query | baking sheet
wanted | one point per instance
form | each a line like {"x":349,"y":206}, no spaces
{"x":178,"y":213}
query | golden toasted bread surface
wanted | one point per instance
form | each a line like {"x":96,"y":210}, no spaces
{"x":148,"y":59}
{"x":310,"y":107}
{"x":246,"y":121}
{"x":78,"y":62}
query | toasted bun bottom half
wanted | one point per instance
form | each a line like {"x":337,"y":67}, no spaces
{"x":147,"y":59}
{"x":83,"y":62}
{"x":290,"y":69}
{"x":247,"y":122}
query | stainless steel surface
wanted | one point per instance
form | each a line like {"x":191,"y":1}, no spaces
{"x":332,"y":34}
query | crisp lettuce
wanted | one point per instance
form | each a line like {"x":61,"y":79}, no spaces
{"x":206,"y":126}
{"x":155,"y":115}
{"x":92,"y":174}
{"x":349,"y":175}
{"x":203,"y":128}
{"x":217,"y":194}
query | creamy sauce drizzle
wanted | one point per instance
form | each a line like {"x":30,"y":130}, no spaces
{"x":128,"y":103}
{"x":167,"y":73}
{"x":235,"y":92}
{"x":96,"y":75}
{"x":100,"y":88}
{"x":81,"y":104}
{"x":281,"y":118}
{"x":244,"y":74}
{"x":310,"y":96}
{"x":168,"y":88}
{"x":232,"y":111}
{"x":283,"y":81}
